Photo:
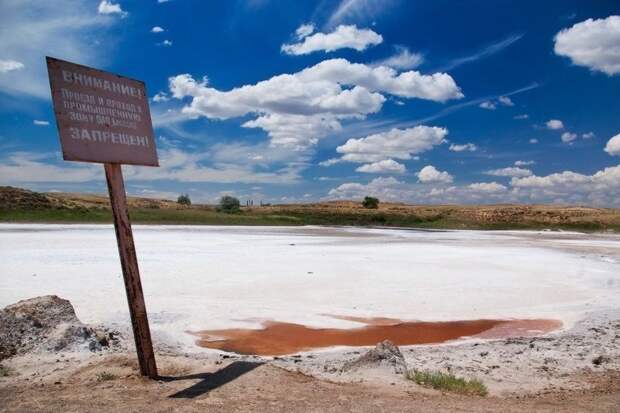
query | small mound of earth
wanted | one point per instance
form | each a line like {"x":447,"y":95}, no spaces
{"x":47,"y":323}
{"x":385,"y":356}
{"x":17,"y":198}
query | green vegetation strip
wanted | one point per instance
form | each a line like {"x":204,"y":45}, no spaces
{"x":210,"y":216}
{"x":448,"y":382}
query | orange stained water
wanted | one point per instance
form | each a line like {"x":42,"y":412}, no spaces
{"x":279,"y":338}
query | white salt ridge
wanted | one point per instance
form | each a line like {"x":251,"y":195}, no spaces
{"x":209,"y":277}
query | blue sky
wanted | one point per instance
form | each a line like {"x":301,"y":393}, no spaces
{"x":423,"y":102}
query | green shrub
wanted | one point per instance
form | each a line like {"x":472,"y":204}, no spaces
{"x":184,"y":199}
{"x":105,"y":376}
{"x":447,"y":382}
{"x":370,"y":202}
{"x":228,"y":204}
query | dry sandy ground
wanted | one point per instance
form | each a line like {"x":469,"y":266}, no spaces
{"x":555,"y":373}
{"x":234,"y":386}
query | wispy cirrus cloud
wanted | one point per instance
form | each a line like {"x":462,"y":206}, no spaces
{"x":458,"y":106}
{"x":482,"y":53}
{"x":231,"y":163}
{"x":357,"y":11}
{"x":67,"y":29}
{"x":368,"y":127}
{"x":402,"y":59}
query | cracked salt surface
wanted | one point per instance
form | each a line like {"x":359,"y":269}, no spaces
{"x":209,"y":277}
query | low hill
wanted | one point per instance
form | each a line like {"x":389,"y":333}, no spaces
{"x":12,"y":198}
{"x":21,"y":205}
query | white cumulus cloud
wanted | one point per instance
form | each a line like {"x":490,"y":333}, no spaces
{"x":161,"y":97}
{"x":304,"y":30}
{"x":492,"y":105}
{"x":613,"y":146}
{"x":382,"y":167}
{"x":108,"y":7}
{"x":568,"y":137}
{"x":300,"y":108}
{"x":489,"y":187}
{"x":10,"y":65}
{"x":40,"y":122}
{"x":382,"y":187}
{"x":554,"y":124}
{"x":393,"y":144}
{"x":157,"y":29}
{"x":568,"y":187}
{"x":601,"y":188}
{"x":506,"y":101}
{"x":594,"y":44}
{"x":343,"y":37}
{"x":430,"y":174}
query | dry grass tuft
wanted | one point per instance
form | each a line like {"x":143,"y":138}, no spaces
{"x":448,"y":382}
{"x":105,"y":376}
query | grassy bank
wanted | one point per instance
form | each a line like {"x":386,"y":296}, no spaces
{"x":208,"y":216}
{"x":146,"y":216}
{"x":21,"y":205}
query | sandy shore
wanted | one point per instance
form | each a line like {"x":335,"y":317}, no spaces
{"x":516,"y":365}
{"x":567,"y":371}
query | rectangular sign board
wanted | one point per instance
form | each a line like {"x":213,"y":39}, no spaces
{"x":101,"y":117}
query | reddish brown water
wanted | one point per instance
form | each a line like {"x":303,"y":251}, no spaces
{"x":277,"y":338}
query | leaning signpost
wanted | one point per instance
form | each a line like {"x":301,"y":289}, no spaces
{"x":105,"y":118}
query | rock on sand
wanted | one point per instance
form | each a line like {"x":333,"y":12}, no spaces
{"x":385,"y":356}
{"x":46,"y":323}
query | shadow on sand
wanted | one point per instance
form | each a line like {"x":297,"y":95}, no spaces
{"x":211,"y":381}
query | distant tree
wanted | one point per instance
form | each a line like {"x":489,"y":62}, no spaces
{"x":184,"y":199}
{"x":370,"y":202}
{"x":228,"y":204}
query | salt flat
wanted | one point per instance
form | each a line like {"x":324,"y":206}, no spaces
{"x":197,"y":278}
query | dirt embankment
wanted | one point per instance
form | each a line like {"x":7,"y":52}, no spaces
{"x":12,"y":198}
{"x":525,"y":215}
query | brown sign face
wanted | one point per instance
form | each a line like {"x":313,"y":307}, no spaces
{"x":101,"y":117}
